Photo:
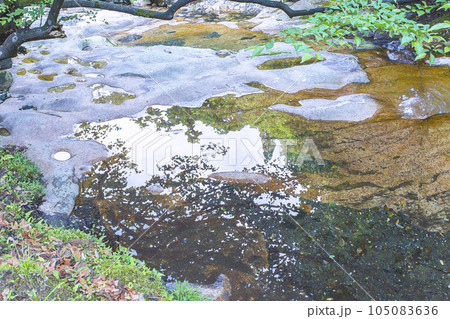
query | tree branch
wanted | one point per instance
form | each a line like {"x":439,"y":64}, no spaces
{"x":9,"y":48}
{"x":170,"y":12}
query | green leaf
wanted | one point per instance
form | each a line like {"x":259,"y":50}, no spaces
{"x":407,"y":39}
{"x":420,"y":56}
{"x":257,"y":51}
{"x":439,"y":26}
{"x":319,"y":56}
{"x":306,"y":57}
{"x":269,"y":45}
{"x":432,"y":58}
{"x":358,"y":41}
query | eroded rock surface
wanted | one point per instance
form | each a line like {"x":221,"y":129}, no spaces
{"x":356,"y":107}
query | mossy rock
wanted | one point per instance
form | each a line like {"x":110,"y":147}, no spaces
{"x":6,"y":80}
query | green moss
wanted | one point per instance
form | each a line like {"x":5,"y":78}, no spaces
{"x":133,"y":274}
{"x":104,"y":94}
{"x":95,"y":64}
{"x":30,"y":60}
{"x":61,"y":88}
{"x":4,"y":132}
{"x":90,"y":64}
{"x":284,"y":63}
{"x":47,"y":77}
{"x":145,"y":14}
{"x":19,"y":178}
{"x":34,"y":71}
{"x":6,"y":80}
{"x":61,"y":60}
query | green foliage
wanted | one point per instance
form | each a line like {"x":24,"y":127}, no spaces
{"x":185,"y":292}
{"x":19,"y":179}
{"x":356,"y":18}
{"x":23,"y":16}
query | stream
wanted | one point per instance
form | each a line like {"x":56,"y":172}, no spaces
{"x":325,"y":181}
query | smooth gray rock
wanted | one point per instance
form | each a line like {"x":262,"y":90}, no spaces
{"x":353,"y":108}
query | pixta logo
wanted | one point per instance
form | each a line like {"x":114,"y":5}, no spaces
{"x":152,"y":148}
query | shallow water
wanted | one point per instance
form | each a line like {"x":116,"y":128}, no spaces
{"x":370,"y":197}
{"x":155,"y":195}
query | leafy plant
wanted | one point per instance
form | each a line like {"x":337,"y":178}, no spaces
{"x":357,"y":18}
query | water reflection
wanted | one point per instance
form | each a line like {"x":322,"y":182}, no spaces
{"x":196,"y":227}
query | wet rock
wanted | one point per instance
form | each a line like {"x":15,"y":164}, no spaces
{"x":155,"y":189}
{"x":178,"y":43}
{"x":219,"y":291}
{"x":241,"y":177}
{"x":396,"y":52}
{"x":354,"y":108}
{"x":28,"y":107}
{"x":5,"y":64}
{"x":402,"y":163}
{"x":212,"y":35}
{"x":248,"y":38}
{"x":4,"y":95}
{"x":223,"y":53}
{"x":130,"y":38}
{"x":61,"y":193}
{"x":4,"y":132}
{"x":6,"y":80}
{"x":379,"y":35}
{"x":63,"y":220}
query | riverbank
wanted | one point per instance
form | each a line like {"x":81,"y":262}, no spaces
{"x":40,"y":262}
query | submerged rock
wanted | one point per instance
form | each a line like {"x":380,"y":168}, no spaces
{"x":354,"y":108}
{"x":212,"y":35}
{"x":241,"y":177}
{"x":130,"y":38}
{"x":218,"y":291}
{"x":4,"y":95}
